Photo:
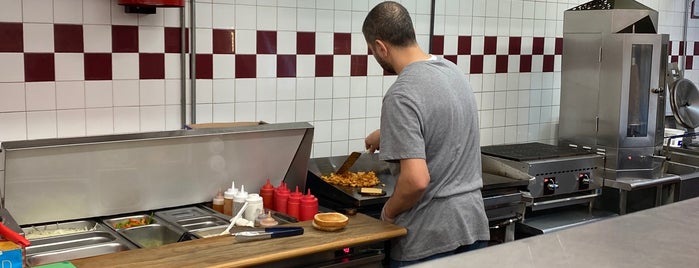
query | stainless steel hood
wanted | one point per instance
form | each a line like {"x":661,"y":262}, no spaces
{"x":610,"y":16}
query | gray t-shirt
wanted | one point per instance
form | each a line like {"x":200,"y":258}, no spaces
{"x":430,"y":113}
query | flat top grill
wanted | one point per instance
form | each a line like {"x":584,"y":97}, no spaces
{"x":531,"y":151}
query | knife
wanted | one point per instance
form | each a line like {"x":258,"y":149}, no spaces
{"x":351,"y":159}
{"x":267,"y":233}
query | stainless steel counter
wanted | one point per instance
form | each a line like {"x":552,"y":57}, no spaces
{"x":664,"y":236}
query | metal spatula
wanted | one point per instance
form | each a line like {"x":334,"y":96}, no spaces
{"x":351,"y":159}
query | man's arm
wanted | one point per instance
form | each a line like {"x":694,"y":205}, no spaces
{"x":411,"y":184}
{"x":373,"y":140}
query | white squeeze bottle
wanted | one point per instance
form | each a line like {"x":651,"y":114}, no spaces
{"x":228,"y":196}
{"x":255,"y":207}
{"x":239,"y":200}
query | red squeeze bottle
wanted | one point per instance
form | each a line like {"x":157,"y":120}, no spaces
{"x":294,"y":203}
{"x":281,"y":197}
{"x":309,"y":207}
{"x":267,"y":193}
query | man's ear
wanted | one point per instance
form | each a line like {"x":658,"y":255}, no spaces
{"x":381,"y":48}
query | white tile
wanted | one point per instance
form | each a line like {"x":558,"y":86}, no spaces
{"x":340,"y":109}
{"x":528,"y":10}
{"x":171,"y":17}
{"x":173,"y":69}
{"x":204,"y":40}
{"x":498,"y":135}
{"x":358,"y":86}
{"x":343,"y":21}
{"x":503,"y":26}
{"x":341,"y":65}
{"x":479,"y":8}
{"x":286,"y":111}
{"x":222,"y":17}
{"x":245,"y":17}
{"x":152,"y":92}
{"x":321,"y":149}
{"x":324,"y":21}
{"x":305,"y":66}
{"x":126,"y":92}
{"x":152,"y":118}
{"x":97,"y":12}
{"x":500,"y":81}
{"x":67,"y":11}
{"x":37,"y":11}
{"x":527,"y":27}
{"x":173,"y":92}
{"x":477,"y":45}
{"x":223,"y":91}
{"x":119,"y":17}
{"x":487,"y":100}
{"x":99,"y":121}
{"x":9,"y":71}
{"x":152,"y":39}
{"x":266,"y":111}
{"x":323,"y":109}
{"x":522,"y":133}
{"x":324,"y":43}
{"x":305,"y":88}
{"x":125,"y":66}
{"x":172,"y":117}
{"x":126,"y":119}
{"x":38,"y":37}
{"x":373,"y":107}
{"x":286,"y":88}
{"x":286,"y":19}
{"x":223,"y":112}
{"x":340,"y":130}
{"x":204,"y":15}
{"x":533,"y":133}
{"x":98,"y":94}
{"x":266,"y":18}
{"x":500,"y":100}
{"x":357,"y":128}
{"x":265,"y":2}
{"x":70,"y":123}
{"x":491,"y":8}
{"x":12,"y":97}
{"x":266,"y":66}
{"x":245,"y":90}
{"x":305,"y":110}
{"x":41,"y":125}
{"x":15,"y":126}
{"x":245,"y":111}
{"x":511,"y":117}
{"x":156,"y":19}
{"x":534,"y":115}
{"x":374,"y":86}
{"x":489,"y":64}
{"x":551,"y":11}
{"x":357,"y":108}
{"x":11,"y":12}
{"x":286,"y":3}
{"x":536,"y":81}
{"x":97,"y":38}
{"x":540,"y":10}
{"x":246,"y":42}
{"x":322,"y":131}
{"x":224,"y":66}
{"x":358,"y":44}
{"x":266,"y":89}
{"x":357,"y":21}
{"x":324,"y":88}
{"x":286,"y":43}
{"x":513,"y":64}
{"x":490,"y":26}
{"x":205,"y":91}
{"x":373,"y":67}
{"x":464,"y":63}
{"x":306,"y":20}
{"x":69,"y":66}
{"x":422,"y":24}
{"x":41,"y":96}
{"x":510,"y":134}
{"x":522,"y":116}
{"x":486,"y":136}
{"x":204,"y":113}
{"x":70,"y":95}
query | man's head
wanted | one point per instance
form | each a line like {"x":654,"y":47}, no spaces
{"x":388,"y":24}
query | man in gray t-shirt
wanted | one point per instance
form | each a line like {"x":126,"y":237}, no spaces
{"x":429,"y":134}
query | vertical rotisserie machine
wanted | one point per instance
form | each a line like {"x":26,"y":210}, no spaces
{"x":612,"y":85}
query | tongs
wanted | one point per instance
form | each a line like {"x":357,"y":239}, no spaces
{"x":267,"y":233}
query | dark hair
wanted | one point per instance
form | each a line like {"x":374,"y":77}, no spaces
{"x":389,"y":22}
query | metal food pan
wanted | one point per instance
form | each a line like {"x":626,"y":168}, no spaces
{"x":86,"y":225}
{"x":113,"y":221}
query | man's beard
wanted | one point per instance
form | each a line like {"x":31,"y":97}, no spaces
{"x":386,"y":67}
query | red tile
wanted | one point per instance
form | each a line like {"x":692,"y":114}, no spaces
{"x":674,"y":58}
{"x":245,"y":66}
{"x":538,"y":46}
{"x":324,"y":65}
{"x":451,"y":58}
{"x":12,"y":37}
{"x":224,"y":41}
{"x":437,"y":45}
{"x":476,"y":64}
{"x":525,"y":63}
{"x":124,"y":38}
{"x":39,"y":67}
{"x":172,"y":40}
{"x":501,"y":63}
{"x":682,"y":51}
{"x":286,"y":65}
{"x":689,"y":62}
{"x":358,"y":65}
{"x":490,"y":45}
{"x":266,"y":42}
{"x":515,"y":45}
{"x":464,"y":45}
{"x":205,"y":66}
{"x":696,"y":48}
{"x":68,"y":38}
{"x":559,"y":46}
{"x":548,"y":63}
{"x":342,"y":43}
{"x":98,"y":66}
{"x":152,"y":65}
{"x":306,"y":43}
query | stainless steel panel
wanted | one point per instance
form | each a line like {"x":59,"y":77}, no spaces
{"x":75,"y":253}
{"x":149,"y":236}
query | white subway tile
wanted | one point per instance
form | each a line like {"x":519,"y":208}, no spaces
{"x":466,"y":8}
{"x":373,"y":107}
{"x":422,"y":24}
{"x":341,"y":65}
{"x":534,"y":132}
{"x":540,"y":10}
{"x":266,"y":66}
{"x":245,"y":111}
{"x":340,"y":108}
{"x":324,"y":21}
{"x":152,"y":92}
{"x":323,"y":131}
{"x":491,"y":26}
{"x":11,"y":11}
{"x":374,"y":86}
{"x":224,"y":66}
{"x":286,"y":19}
{"x":152,"y":39}
{"x":522,"y":116}
{"x":534,"y":115}
{"x":246,"y":42}
{"x":286,"y":3}
{"x":125,"y":66}
{"x":266,"y":89}
{"x":99,"y":121}
{"x":357,"y":129}
{"x":205,"y":41}
{"x":305,"y":66}
{"x":373,"y":67}
{"x":522,"y":133}
{"x":171,"y":18}
{"x":286,"y":43}
{"x":451,"y":45}
{"x":245,"y":17}
{"x":305,"y":88}
{"x":126,"y":92}
{"x":223,"y":112}
{"x":70,"y":123}
{"x":12,"y":97}
{"x":551,"y":11}
{"x":499,"y":100}
{"x":286,"y":111}
{"x":97,"y":38}
{"x":489,"y":64}
{"x":38,"y":37}
{"x":98,"y":94}
{"x":306,"y":3}
{"x":372,"y":124}
{"x":97,"y":12}
{"x":223,"y":91}
{"x":205,"y":91}
{"x":358,"y":21}
{"x":451,"y":26}
{"x":173,"y":90}
{"x":511,"y":117}
{"x":358,"y":86}
{"x":70,"y":95}
{"x":323,"y":109}
{"x":15,"y":126}
{"x":245,"y":90}
{"x":511,"y":99}
{"x":339,"y":148}
{"x":503,"y":26}
{"x":343,"y":21}
{"x":266,"y":18}
{"x":464,"y":63}
{"x":69,"y":66}
{"x":499,"y":135}
{"x":305,"y":110}
{"x":528,"y":10}
{"x":357,"y":108}
{"x":321,"y":149}
{"x":306,"y":20}
{"x":491,"y":8}
{"x":37,"y":11}
{"x":479,"y":8}
{"x":340,"y":129}
{"x":477,"y":45}
{"x":325,"y":4}
{"x":486,"y":136}
{"x":67,"y":11}
{"x":172,"y":117}
{"x":487,"y":100}
{"x":510,"y":134}
{"x":504,"y":9}
{"x":528,"y":28}
{"x":205,"y":113}
{"x":204,"y":15}
{"x":324,"y":43}
{"x":41,"y":125}
{"x":324,"y":88}
{"x":41,"y":96}
{"x":286,"y":89}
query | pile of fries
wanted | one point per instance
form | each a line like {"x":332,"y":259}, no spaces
{"x":358,"y":179}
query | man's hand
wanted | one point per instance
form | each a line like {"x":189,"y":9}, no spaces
{"x":372,"y":141}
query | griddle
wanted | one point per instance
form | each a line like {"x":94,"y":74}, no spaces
{"x":531,"y":151}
